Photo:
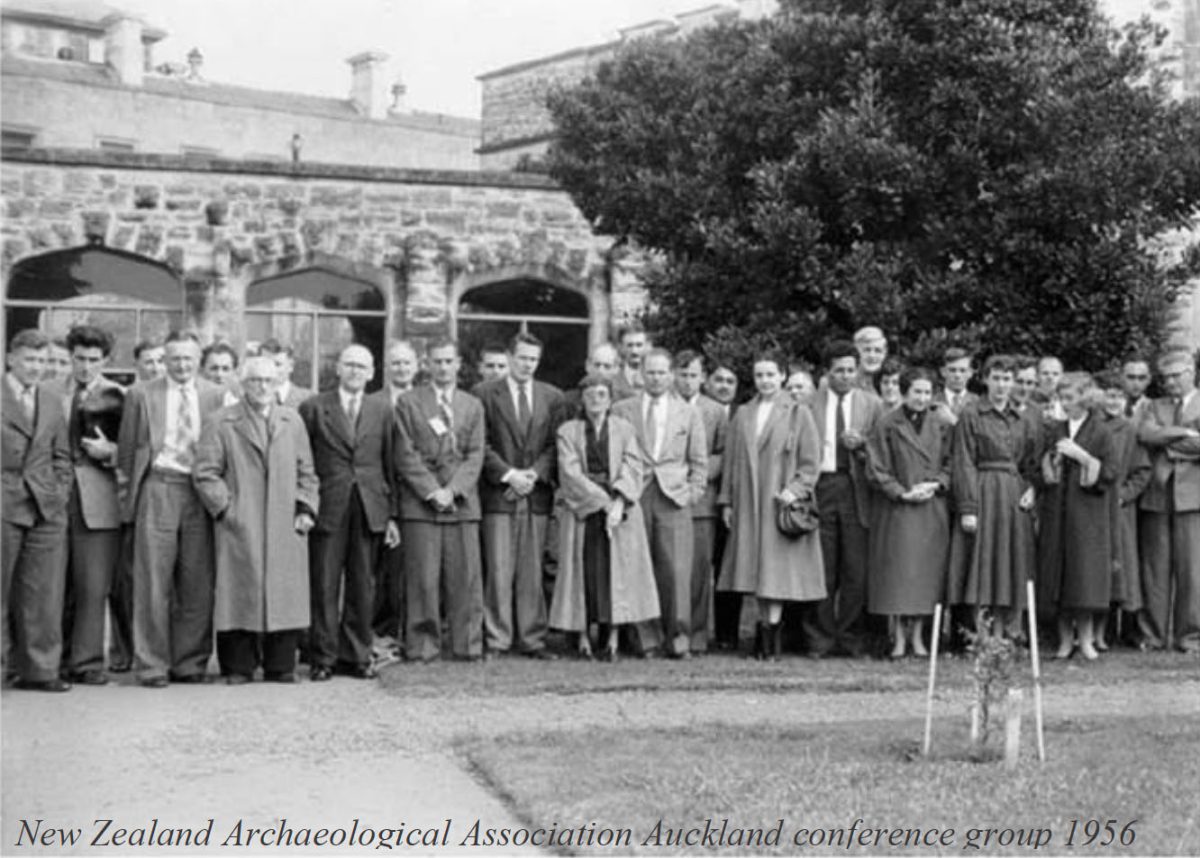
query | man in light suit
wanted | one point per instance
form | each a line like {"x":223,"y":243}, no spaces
{"x":517,"y":496}
{"x":675,"y":458}
{"x":173,"y":550}
{"x":439,"y":456}
{"x":286,"y":393}
{"x":689,"y":377}
{"x":388,"y":622}
{"x":36,"y":485}
{"x":845,"y":415}
{"x":352,"y":438}
{"x":94,"y":517}
{"x":1169,"y":526}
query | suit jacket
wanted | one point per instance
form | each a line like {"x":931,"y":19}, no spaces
{"x":940,"y":398}
{"x":1179,"y":459}
{"x":95,"y":481}
{"x":428,"y":457}
{"x":865,"y":410}
{"x":143,"y":429}
{"x":716,"y":425}
{"x":508,"y":447}
{"x":681,"y":468}
{"x":36,"y":459}
{"x":349,"y":458}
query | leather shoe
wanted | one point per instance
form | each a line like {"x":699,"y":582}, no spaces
{"x":121,"y":667}
{"x":154,"y":682}
{"x":287,"y":677}
{"x":320,"y":674}
{"x":56,"y":685}
{"x":192,"y":679}
{"x":541,"y":655}
{"x":89,"y":677}
{"x":237,"y":679}
{"x":358,"y":671}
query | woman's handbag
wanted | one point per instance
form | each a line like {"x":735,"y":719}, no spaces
{"x":799,"y":517}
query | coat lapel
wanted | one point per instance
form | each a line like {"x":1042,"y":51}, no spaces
{"x":923,"y":442}
{"x":778,"y":412}
{"x":14,"y":412}
{"x":339,"y":423}
{"x":245,"y":423}
{"x":156,"y":412}
{"x":505,"y":404}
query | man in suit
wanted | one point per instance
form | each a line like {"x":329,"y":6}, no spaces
{"x":517,"y":496}
{"x":957,"y":370}
{"x":286,"y":393}
{"x":634,"y":344}
{"x":173,"y":553}
{"x":1050,"y":372}
{"x":352,"y":439}
{"x":675,"y":459}
{"x":93,"y":514}
{"x":439,"y":456}
{"x":1135,"y":379}
{"x":36,"y":486}
{"x":388,"y":622}
{"x":493,"y":362}
{"x":148,"y":360}
{"x":689,"y":378}
{"x":721,"y":387}
{"x":219,"y":364}
{"x":845,"y":415}
{"x":1169,"y":525}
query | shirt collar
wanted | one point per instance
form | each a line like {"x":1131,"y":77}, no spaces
{"x":190,"y":385}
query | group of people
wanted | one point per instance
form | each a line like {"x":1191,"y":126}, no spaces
{"x":347,"y":529}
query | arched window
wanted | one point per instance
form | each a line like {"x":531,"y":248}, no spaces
{"x":318,"y":313}
{"x":559,"y":317}
{"x":132,"y":297}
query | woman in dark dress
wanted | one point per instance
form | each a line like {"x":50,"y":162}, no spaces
{"x":1076,"y":560}
{"x":909,"y":456}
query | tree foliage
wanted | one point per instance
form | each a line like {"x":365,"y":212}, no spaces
{"x":986,"y":173}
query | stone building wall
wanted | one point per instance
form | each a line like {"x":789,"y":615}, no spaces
{"x":424,"y":237}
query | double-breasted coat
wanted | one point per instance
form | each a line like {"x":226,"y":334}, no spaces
{"x":1075,"y":569}
{"x":634,"y":596}
{"x":758,"y":559}
{"x":910,"y":542}
{"x":254,"y":477}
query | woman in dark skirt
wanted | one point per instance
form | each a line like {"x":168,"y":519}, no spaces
{"x":605,"y":576}
{"x":1079,"y":467}
{"x":993,"y":466}
{"x":909,"y":456}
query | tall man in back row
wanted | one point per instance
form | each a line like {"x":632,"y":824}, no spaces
{"x":517,"y":496}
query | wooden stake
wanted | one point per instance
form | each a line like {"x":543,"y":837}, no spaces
{"x":1036,"y":661}
{"x":1012,"y":728}
{"x":935,"y":639}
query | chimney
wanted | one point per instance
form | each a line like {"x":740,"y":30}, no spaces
{"x":369,"y":89}
{"x":123,"y":50}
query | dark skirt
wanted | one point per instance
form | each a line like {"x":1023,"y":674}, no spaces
{"x":597,"y":580}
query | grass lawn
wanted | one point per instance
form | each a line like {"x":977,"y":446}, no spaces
{"x":1141,"y":771}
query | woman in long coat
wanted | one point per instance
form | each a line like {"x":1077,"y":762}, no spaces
{"x":771,"y":452}
{"x":1079,"y":468}
{"x":1132,"y":477}
{"x":909,"y":456}
{"x":605,"y":575}
{"x":994,"y":461}
{"x":255,"y":477}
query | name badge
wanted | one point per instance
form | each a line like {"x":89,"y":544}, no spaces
{"x":438,"y":426}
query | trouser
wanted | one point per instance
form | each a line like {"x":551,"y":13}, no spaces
{"x":1170,"y":552}
{"x":727,"y":605}
{"x":836,"y":620}
{"x":703,"y":534}
{"x":341,"y":565}
{"x":34,"y":578}
{"x":120,"y":605}
{"x":93,"y":561}
{"x":172,"y":579}
{"x":513,"y":600}
{"x":241,"y":652}
{"x":669,"y":532}
{"x":437,"y":554}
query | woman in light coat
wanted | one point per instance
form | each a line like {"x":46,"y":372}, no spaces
{"x":771,"y":452}
{"x":605,"y":576}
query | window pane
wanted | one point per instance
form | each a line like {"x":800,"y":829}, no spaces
{"x":314,"y":289}
{"x":525,"y":298}
{"x":122,"y":324}
{"x":564,"y":353}
{"x":100,"y":275}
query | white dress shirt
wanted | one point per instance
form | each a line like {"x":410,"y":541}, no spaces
{"x":655,"y":409}
{"x":829,"y":439}
{"x":346,"y":399}
{"x":173,"y":456}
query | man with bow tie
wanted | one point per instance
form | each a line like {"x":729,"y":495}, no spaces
{"x":352,"y":438}
{"x":36,"y":485}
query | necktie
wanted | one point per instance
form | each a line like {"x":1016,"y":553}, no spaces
{"x":185,"y":430}
{"x":843,"y":456}
{"x":652,"y":427}
{"x":524,"y":412}
{"x":1177,"y":417}
{"x":352,"y":411}
{"x":29,"y":402}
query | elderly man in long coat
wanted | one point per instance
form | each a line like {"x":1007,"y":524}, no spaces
{"x":254,"y":473}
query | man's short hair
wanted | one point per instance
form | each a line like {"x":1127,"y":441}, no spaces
{"x":492,"y":347}
{"x":916,"y":373}
{"x":443,"y":343}
{"x":661,"y":353}
{"x":1045,"y":358}
{"x":145,"y":346}
{"x":1175,"y":357}
{"x":868,"y":334}
{"x":218,"y":348}
{"x":955,"y":354}
{"x":687,"y":357}
{"x":179,"y":336}
{"x":274,"y":347}
{"x":1109,"y":379}
{"x":1000,"y":363}
{"x":30,"y":338}
{"x":1025,"y":362}
{"x":632,"y":327}
{"x":526,"y":338}
{"x":839,"y":349}
{"x":258,"y":360}
{"x":89,"y":337}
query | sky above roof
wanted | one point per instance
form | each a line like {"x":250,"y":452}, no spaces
{"x":438,"y":47}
